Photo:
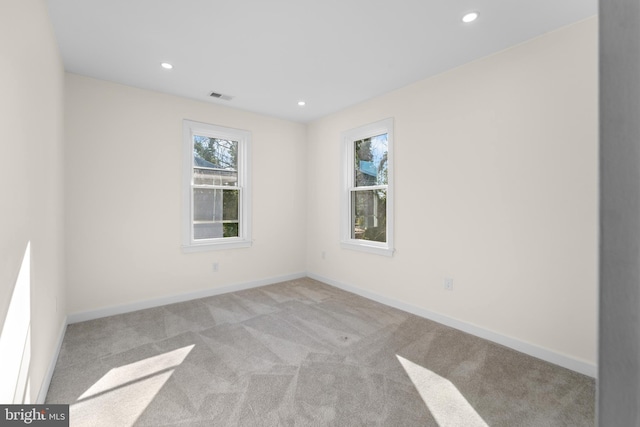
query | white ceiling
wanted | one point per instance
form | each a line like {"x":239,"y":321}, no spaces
{"x":269,"y":54}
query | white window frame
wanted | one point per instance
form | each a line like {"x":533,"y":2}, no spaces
{"x":348,"y":186}
{"x":243,"y":137}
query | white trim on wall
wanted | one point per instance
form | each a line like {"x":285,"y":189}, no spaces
{"x":542,"y":353}
{"x":46,"y":381}
{"x":157,"y":302}
{"x":547,"y":355}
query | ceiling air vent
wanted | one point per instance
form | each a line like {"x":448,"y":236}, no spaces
{"x":221,"y":96}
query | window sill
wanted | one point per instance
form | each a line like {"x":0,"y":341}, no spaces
{"x":203,"y":247}
{"x":370,"y":248}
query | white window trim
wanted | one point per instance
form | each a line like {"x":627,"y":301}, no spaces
{"x":189,"y":129}
{"x":348,"y":138}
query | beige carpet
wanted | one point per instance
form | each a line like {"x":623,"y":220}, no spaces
{"x":302,"y":353}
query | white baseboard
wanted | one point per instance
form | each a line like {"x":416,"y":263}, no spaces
{"x":46,"y":381}
{"x":545,"y":354}
{"x":156,"y":302}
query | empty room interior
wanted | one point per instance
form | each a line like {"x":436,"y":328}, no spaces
{"x":301,"y":213}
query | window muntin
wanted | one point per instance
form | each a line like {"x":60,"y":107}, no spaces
{"x":367,"y":200}
{"x":216,"y":204}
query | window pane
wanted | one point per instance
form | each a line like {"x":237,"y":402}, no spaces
{"x":369,"y":215}
{"x":371,"y":161}
{"x":215,"y":161}
{"x":215,"y":213}
{"x":230,"y":205}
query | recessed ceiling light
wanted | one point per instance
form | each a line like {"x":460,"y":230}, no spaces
{"x":302,"y":103}
{"x":470,"y":17}
{"x":166,"y":66}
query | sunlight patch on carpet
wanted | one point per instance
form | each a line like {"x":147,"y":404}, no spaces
{"x":123,"y":393}
{"x":447,"y":405}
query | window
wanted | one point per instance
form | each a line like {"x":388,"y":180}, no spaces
{"x":216,"y":193}
{"x":367,"y":199}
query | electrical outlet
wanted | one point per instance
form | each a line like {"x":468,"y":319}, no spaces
{"x":448,"y":283}
{"x":323,"y":255}
{"x":214,"y":267}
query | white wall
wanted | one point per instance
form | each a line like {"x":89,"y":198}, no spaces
{"x":31,"y":192}
{"x":123,"y":176}
{"x":496,"y":187}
